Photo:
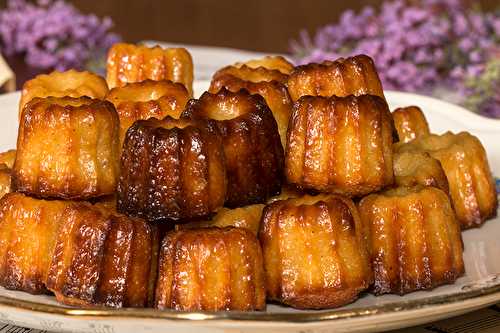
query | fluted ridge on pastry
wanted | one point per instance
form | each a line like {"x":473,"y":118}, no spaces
{"x":128,"y":63}
{"x":343,"y":77}
{"x":247,"y":73}
{"x":272,"y":62}
{"x":70,"y":83}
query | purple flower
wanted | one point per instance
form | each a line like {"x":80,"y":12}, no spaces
{"x":52,"y":34}
{"x":417,"y":46}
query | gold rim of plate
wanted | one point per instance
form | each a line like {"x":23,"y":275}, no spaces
{"x":295,"y":317}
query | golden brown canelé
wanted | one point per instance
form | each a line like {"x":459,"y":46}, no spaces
{"x":278,"y":63}
{"x":247,"y":217}
{"x":252,"y":146}
{"x":345,"y":76}
{"x":172,"y":169}
{"x":314,"y":252}
{"x":103,"y":258}
{"x":85,"y":255}
{"x":340,"y":144}
{"x":147,"y":99}
{"x":266,"y":69}
{"x":464,"y":161}
{"x":413,"y":168}
{"x":410,"y":123}
{"x":413,"y":239}
{"x":70,"y":83}
{"x":67,"y":148}
{"x":135,"y":63}
{"x":210,"y":269}
{"x":28,"y":228}
{"x":274,"y":92}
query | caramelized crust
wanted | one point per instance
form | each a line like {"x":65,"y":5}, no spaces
{"x":135,"y":63}
{"x":211,"y":270}
{"x":102,"y":259}
{"x":252,"y":146}
{"x":413,"y":168}
{"x":27,"y":234}
{"x":61,"y":84}
{"x":274,"y":93}
{"x":172,"y":169}
{"x":270,"y":63}
{"x":314,"y":252}
{"x":8,"y":158}
{"x":413,"y":239}
{"x":147,"y":99}
{"x":410,"y":123}
{"x":464,"y":161}
{"x":67,"y":148}
{"x":85,"y":255}
{"x":247,"y":217}
{"x":342,"y":77}
{"x":340,"y":144}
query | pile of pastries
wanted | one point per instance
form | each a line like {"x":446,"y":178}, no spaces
{"x":294,"y":185}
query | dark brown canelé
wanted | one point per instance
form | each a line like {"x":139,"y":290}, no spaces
{"x":172,"y":169}
{"x":252,"y":146}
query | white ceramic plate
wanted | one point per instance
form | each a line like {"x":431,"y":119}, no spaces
{"x":478,"y":288}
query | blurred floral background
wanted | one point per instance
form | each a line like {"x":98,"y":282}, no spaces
{"x":444,"y":48}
